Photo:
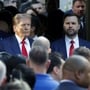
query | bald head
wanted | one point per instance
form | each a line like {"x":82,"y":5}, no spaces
{"x":43,"y":42}
{"x":76,"y":62}
{"x":77,"y":69}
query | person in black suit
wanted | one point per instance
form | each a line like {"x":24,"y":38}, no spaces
{"x":75,"y":74}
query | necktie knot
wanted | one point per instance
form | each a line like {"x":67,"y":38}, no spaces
{"x":72,"y":42}
{"x":71,"y":48}
{"x":23,"y":42}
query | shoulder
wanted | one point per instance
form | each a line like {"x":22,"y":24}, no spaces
{"x":30,"y":40}
{"x":83,"y":42}
{"x":59,"y":41}
{"x":69,"y":11}
{"x":68,"y":86}
{"x":11,"y":38}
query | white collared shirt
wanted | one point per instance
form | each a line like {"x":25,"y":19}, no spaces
{"x":27,"y":44}
{"x":68,"y":44}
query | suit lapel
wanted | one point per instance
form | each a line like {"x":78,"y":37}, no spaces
{"x":63,"y":47}
{"x":14,"y":45}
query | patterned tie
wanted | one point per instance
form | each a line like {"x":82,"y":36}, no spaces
{"x":24,"y":51}
{"x":71,"y":48}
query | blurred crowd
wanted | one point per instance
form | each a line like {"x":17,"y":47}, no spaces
{"x":43,"y":47}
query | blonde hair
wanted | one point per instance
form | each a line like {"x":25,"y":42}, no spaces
{"x":19,"y":16}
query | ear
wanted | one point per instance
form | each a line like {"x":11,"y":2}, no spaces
{"x":47,"y":64}
{"x":33,"y":28}
{"x":55,"y":70}
{"x":78,"y":75}
{"x":14,"y":28}
{"x":49,"y":50}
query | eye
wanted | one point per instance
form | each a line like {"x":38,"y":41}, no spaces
{"x":39,"y":8}
{"x":73,"y":23}
{"x":67,"y":23}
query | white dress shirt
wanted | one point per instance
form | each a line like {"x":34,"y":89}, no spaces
{"x":68,"y":44}
{"x":27,"y":44}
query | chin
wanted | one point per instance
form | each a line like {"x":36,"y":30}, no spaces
{"x":27,"y":34}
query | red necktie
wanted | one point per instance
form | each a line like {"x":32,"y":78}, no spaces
{"x":71,"y":48}
{"x":24,"y":51}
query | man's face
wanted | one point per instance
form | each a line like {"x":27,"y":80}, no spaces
{"x":23,"y":28}
{"x":85,"y":77}
{"x":79,"y":8}
{"x":59,"y":74}
{"x":39,"y":8}
{"x":71,"y":26}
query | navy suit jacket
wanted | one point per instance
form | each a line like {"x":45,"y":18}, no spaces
{"x":60,"y":46}
{"x":69,"y":86}
{"x":11,"y":45}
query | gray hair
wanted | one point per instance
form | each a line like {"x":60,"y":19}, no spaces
{"x":41,"y":41}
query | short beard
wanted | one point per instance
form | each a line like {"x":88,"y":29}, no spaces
{"x":71,"y":35}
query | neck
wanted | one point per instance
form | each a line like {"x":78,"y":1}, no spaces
{"x":55,"y":77}
{"x":39,"y":69}
{"x":68,"y":75}
{"x":71,"y":37}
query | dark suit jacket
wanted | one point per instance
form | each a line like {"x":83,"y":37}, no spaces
{"x":11,"y":46}
{"x":60,"y":46}
{"x":69,"y":86}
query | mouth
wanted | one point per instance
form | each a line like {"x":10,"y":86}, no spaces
{"x":70,"y":30}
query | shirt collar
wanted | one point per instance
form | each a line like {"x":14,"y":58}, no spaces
{"x":67,"y":39}
{"x":19,"y":39}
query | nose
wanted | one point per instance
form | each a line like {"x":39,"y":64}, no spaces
{"x":70,"y":25}
{"x":80,"y":8}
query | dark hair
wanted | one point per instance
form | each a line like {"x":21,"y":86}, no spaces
{"x":70,"y":15}
{"x":55,"y":61}
{"x":38,"y":55}
{"x":13,"y":10}
{"x":11,"y":62}
{"x":34,"y":2}
{"x":36,"y":23}
{"x":83,"y":51}
{"x":26,"y":73}
{"x":78,"y":0}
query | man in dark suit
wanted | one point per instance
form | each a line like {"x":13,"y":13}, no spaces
{"x":75,"y":74}
{"x":21,"y":27}
{"x":71,"y":27}
{"x":79,"y":8}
